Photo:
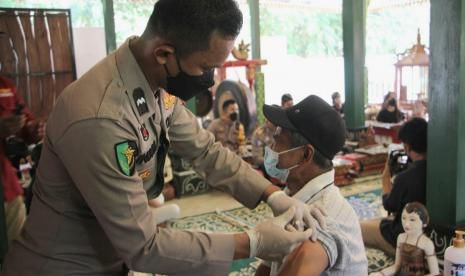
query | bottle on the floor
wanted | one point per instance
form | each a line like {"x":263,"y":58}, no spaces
{"x":454,"y":257}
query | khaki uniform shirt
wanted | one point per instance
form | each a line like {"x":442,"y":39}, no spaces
{"x":98,"y":168}
{"x":225,"y":133}
{"x":262,"y":137}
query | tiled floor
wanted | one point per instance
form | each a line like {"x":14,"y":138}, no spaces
{"x":219,"y":201}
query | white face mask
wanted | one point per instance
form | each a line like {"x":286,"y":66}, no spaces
{"x":271,"y":162}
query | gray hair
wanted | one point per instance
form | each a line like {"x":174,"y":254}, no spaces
{"x":318,"y":158}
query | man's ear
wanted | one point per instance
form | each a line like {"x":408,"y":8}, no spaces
{"x":309,"y":151}
{"x":162,"y":53}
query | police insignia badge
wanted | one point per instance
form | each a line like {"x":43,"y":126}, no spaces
{"x":144,"y":131}
{"x":145,"y":174}
{"x":168,"y":100}
{"x":141,"y":102}
{"x":126,"y":153}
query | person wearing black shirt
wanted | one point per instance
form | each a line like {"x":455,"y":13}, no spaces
{"x":408,"y":186}
{"x":337,"y":103}
{"x":390,"y":113}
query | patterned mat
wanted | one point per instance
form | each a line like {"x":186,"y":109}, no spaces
{"x":367,"y":205}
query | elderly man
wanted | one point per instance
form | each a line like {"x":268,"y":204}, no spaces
{"x":308,"y":136}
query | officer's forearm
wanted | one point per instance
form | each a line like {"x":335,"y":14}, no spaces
{"x":242,"y":246}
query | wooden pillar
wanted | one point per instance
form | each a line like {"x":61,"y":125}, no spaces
{"x":109,"y":20}
{"x":354,"y":19}
{"x":446,"y":128}
{"x":254,"y":9}
{"x":260,"y":96}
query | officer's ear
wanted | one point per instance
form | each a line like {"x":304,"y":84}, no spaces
{"x":162,"y":52}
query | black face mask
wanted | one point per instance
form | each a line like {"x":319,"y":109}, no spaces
{"x":185,"y":86}
{"x":233,"y":116}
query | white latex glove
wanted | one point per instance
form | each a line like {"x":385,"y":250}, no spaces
{"x":165,"y":213}
{"x":376,"y":274}
{"x":270,"y":240}
{"x":305,"y":215}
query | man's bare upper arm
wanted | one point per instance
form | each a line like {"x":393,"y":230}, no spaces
{"x":310,"y":258}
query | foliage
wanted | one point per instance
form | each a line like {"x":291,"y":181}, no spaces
{"x":309,"y":33}
{"x":84,"y":13}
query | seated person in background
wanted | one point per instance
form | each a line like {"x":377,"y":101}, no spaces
{"x":390,"y":113}
{"x":307,"y":137}
{"x":337,"y":103}
{"x":387,"y":98}
{"x":420,"y":108}
{"x":16,"y":121}
{"x":408,"y":186}
{"x":227,"y":128}
{"x":261,"y":137}
{"x":287,"y":101}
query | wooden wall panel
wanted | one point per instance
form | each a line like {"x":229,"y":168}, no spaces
{"x":37,"y":54}
{"x":48,"y":82}
{"x":34,"y":92}
{"x":16,"y":36}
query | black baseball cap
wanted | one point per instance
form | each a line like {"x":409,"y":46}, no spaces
{"x":315,"y":120}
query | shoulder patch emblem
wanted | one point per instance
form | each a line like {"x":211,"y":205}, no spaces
{"x":141,"y":102}
{"x":168,"y":100}
{"x":126,"y":153}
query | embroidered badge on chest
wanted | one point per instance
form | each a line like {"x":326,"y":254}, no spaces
{"x":141,"y":102}
{"x":126,"y":153}
{"x":145,"y":133}
{"x":168,"y":100}
{"x":145,"y":174}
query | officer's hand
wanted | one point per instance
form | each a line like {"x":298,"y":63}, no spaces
{"x":305,"y":215}
{"x":165,"y":213}
{"x":376,"y":274}
{"x":11,"y":125}
{"x":271,"y":241}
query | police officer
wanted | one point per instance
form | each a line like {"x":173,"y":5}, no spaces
{"x":103,"y":155}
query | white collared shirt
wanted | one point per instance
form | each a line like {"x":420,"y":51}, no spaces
{"x":342,"y":240}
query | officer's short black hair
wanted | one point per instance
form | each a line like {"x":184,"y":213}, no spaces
{"x":227,"y":103}
{"x":189,"y":24}
{"x":415,"y":134}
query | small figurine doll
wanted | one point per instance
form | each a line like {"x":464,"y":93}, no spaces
{"x":415,"y":253}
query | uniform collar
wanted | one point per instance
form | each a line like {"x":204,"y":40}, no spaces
{"x":133,"y":77}
{"x":315,"y":186}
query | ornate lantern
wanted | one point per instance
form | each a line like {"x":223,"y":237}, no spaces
{"x":411,"y":79}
